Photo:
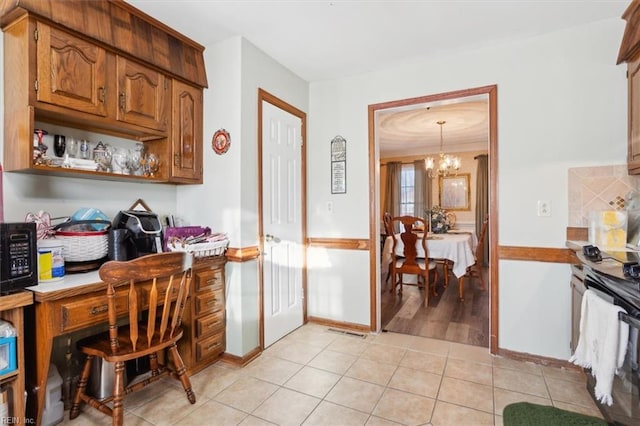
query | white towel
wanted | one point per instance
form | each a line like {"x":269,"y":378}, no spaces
{"x":602,"y":344}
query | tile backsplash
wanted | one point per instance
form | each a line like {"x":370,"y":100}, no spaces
{"x":598,"y":188}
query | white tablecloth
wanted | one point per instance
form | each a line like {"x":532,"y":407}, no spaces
{"x":456,"y":247}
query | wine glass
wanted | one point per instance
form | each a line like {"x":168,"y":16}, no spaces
{"x":136,"y":160}
{"x":121,"y":161}
{"x":151,"y":164}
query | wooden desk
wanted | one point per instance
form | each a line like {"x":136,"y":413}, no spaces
{"x":11,"y":309}
{"x":79,"y":302}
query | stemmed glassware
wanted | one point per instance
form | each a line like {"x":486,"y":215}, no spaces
{"x":121,"y":162}
{"x":151,"y":164}
{"x":137,"y":156}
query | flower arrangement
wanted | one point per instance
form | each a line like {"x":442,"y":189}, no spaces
{"x":439,"y":221}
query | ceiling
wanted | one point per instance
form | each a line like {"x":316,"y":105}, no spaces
{"x":323,"y":40}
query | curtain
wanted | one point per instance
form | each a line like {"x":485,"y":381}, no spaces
{"x":421,"y":188}
{"x":392,"y":188}
{"x":482,"y":199}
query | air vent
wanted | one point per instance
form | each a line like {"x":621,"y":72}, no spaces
{"x":347,"y":333}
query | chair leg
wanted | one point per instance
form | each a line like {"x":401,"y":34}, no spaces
{"x":445,"y":272}
{"x":80,"y":390}
{"x":153,"y":364}
{"x":425,"y":278}
{"x":386,"y":280}
{"x":480,"y":277}
{"x":181,"y":371}
{"x":435,"y":282}
{"x":118,"y":395}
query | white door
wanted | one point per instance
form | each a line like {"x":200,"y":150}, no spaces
{"x":282,"y":222}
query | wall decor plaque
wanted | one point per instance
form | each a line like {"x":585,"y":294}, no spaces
{"x":338,"y":165}
{"x":221,"y":141}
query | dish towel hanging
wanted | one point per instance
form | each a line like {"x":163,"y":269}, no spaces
{"x":602,"y":344}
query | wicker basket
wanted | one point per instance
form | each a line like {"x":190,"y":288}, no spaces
{"x":83,"y":246}
{"x":214,"y":248}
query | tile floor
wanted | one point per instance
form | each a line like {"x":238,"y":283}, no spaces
{"x":316,"y":376}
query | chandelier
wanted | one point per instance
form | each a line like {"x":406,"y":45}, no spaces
{"x":448,"y":164}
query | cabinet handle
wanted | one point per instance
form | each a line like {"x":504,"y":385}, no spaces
{"x":214,"y":345}
{"x":99,"y":309}
{"x":213,"y":324}
{"x":122,"y":100}
{"x":102,"y":94}
{"x":176,"y":159}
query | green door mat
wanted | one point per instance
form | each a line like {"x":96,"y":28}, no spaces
{"x":527,"y":414}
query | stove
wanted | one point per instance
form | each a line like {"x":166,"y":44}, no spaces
{"x":626,"y":385}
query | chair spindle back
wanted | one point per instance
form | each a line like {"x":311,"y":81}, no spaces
{"x":158,"y":284}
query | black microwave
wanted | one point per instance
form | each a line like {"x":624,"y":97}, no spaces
{"x":18,"y":256}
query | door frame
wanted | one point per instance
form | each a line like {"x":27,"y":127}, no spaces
{"x":374,"y":206}
{"x":263,"y":95}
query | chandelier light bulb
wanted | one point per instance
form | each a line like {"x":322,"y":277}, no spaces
{"x":447,"y":163}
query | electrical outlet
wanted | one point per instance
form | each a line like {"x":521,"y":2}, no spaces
{"x":330,"y":206}
{"x":544,"y":208}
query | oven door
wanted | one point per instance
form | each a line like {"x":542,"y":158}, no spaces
{"x":625,"y":409}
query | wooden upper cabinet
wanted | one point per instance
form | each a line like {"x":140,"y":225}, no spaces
{"x":142,"y":95}
{"x":633,"y":152}
{"x":127,"y":76}
{"x":630,"y":53}
{"x":186,"y":133}
{"x":69,"y":71}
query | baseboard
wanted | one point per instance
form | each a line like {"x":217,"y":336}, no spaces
{"x":537,"y":359}
{"x":340,"y":324}
{"x":241,"y":361}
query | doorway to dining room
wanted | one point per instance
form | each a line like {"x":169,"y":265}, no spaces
{"x":446,"y":317}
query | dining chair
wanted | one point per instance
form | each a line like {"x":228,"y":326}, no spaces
{"x":388,"y":229}
{"x":447,"y":264}
{"x":475,"y":270}
{"x":409,"y":262}
{"x":153,"y":301}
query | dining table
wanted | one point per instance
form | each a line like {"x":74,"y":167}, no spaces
{"x":458,"y":247}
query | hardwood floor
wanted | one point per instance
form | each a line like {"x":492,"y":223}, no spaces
{"x":446,"y":318}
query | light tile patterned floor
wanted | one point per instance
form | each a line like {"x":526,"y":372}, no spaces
{"x":316,"y":376}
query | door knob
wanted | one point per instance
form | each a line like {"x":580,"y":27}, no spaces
{"x":271,"y":239}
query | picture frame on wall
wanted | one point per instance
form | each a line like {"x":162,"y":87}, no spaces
{"x":455,"y":193}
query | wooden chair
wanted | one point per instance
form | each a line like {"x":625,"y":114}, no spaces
{"x":409,"y":262}
{"x":388,"y":229}
{"x":475,"y":270}
{"x":446,"y":264}
{"x":158,"y":287}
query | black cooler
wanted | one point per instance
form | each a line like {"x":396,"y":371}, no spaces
{"x":134,"y":233}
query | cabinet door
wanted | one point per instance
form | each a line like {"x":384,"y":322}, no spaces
{"x":633,"y":160}
{"x":142,"y":95}
{"x":577,"y":290}
{"x":70,"y":72}
{"x":186,"y":133}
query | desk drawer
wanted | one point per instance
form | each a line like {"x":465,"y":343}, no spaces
{"x":209,"y":301}
{"x":209,"y":324}
{"x":209,"y":279}
{"x":84,"y":312}
{"x":210,"y":347}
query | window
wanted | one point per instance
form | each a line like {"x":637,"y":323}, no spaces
{"x":407,"y":190}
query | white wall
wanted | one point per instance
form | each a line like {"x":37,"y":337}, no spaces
{"x":561,"y":103}
{"x":228,"y":199}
